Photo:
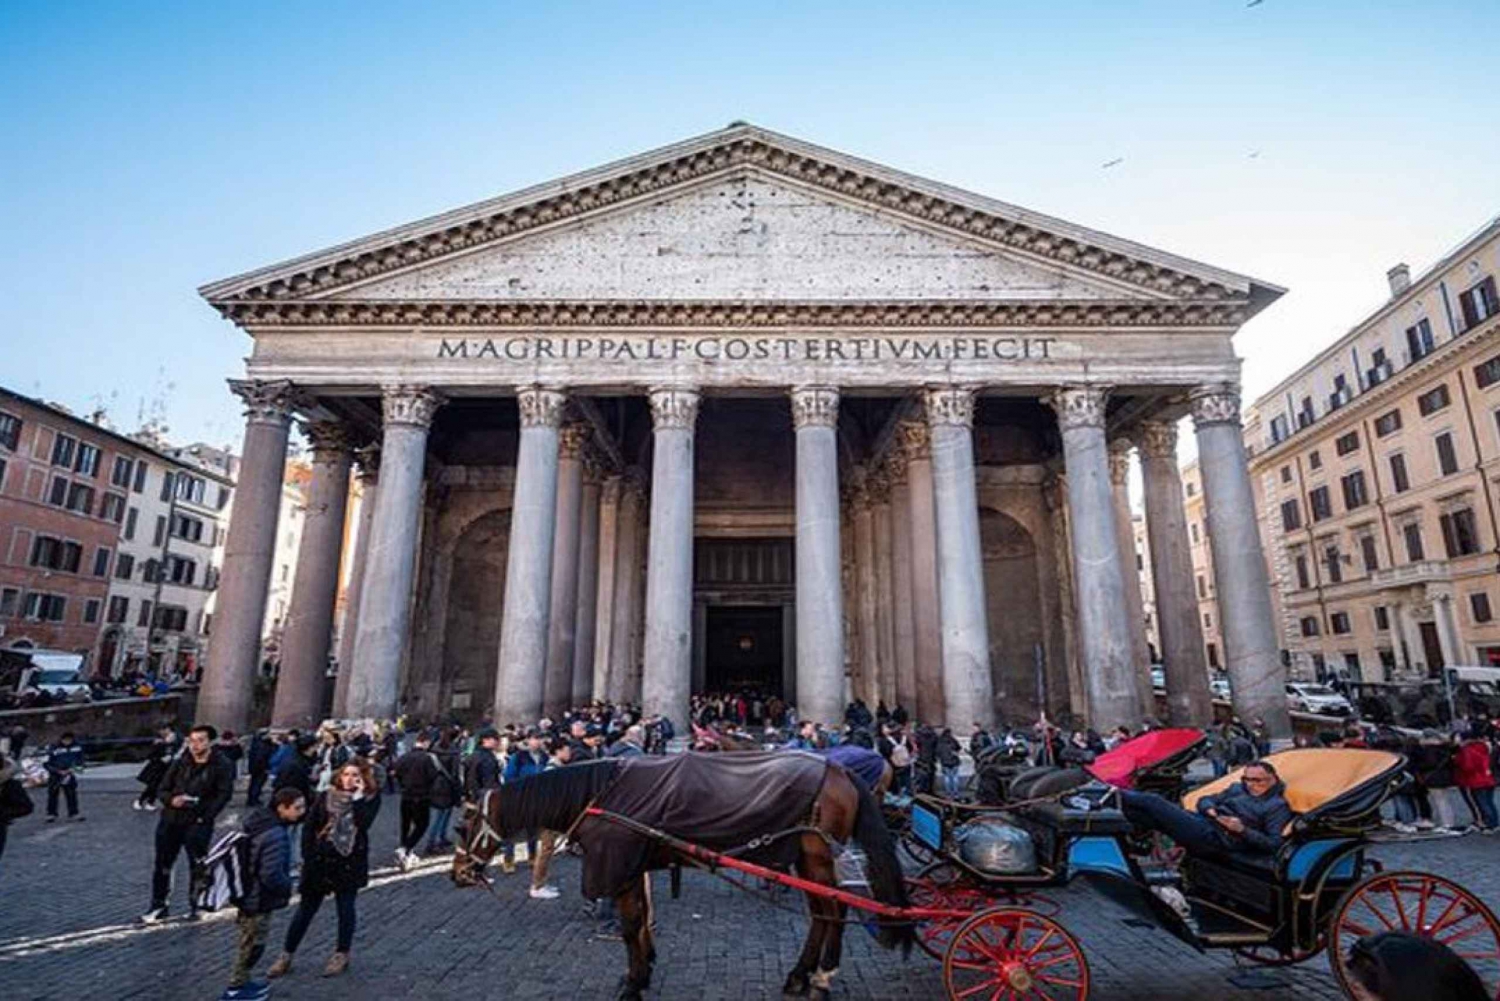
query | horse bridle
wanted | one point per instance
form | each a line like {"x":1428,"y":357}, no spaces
{"x":480,"y":838}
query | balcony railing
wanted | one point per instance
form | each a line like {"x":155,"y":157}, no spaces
{"x":1421,"y":572}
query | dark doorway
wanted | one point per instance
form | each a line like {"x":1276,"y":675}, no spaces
{"x":1433,"y":648}
{"x":743,"y":649}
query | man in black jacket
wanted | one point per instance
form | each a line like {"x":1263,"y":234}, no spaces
{"x":483,"y":770}
{"x":415,"y":771}
{"x":1247,"y":818}
{"x":258,"y":762}
{"x":197,"y":786}
{"x":268,"y":886}
{"x":296,"y":771}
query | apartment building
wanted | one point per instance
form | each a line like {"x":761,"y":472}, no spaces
{"x":1203,"y":565}
{"x":1377,"y":466}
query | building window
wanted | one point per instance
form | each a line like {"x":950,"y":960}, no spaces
{"x":1202,"y":587}
{"x":1479,"y":302}
{"x":1487,"y":372}
{"x":1368,"y":553}
{"x":130,"y":519}
{"x":190,"y":488}
{"x":50,"y":553}
{"x":1460,"y":533}
{"x":1382,"y":618}
{"x":1190,"y":488}
{"x":91,"y":611}
{"x":1208,"y":621}
{"x":1339,"y":623}
{"x":81,"y":498}
{"x":1286,"y":474}
{"x":1291,"y":515}
{"x":41,"y":607}
{"x":119,"y":609}
{"x":1319,"y":503}
{"x":123,"y":471}
{"x":1479,"y":605}
{"x":184,"y":527}
{"x":87,"y":463}
{"x":1433,"y":400}
{"x":64,"y":449}
{"x":1305,"y":414}
{"x":161,"y":530}
{"x":1447,"y":457}
{"x":124,"y":566}
{"x":59,"y":493}
{"x":112,"y":508}
{"x":140,"y":476}
{"x":1347,"y":443}
{"x":181,"y":571}
{"x":1193,"y":531}
{"x":1303,"y":581}
{"x":101,"y":562}
{"x":2,"y":474}
{"x":1388,"y":423}
{"x":1419,"y":340}
{"x":1380,"y":368}
{"x":1334,"y":564}
{"x":151,"y":571}
{"x":1309,"y":626}
{"x":1280,"y":429}
{"x":1400,"y":482}
{"x":10,"y":602}
{"x":1412,"y":533}
{"x":10,"y":431}
{"x":1314,"y":460}
{"x":1213,"y":655}
{"x":1341,"y":394}
{"x":144,"y":618}
{"x":1355,"y":493}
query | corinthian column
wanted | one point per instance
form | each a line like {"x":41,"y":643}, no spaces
{"x":1135,"y":607}
{"x":1188,"y":699}
{"x":1251,"y":652}
{"x":820,"y":601}
{"x":927,"y":627}
{"x":309,"y":621}
{"x":904,"y":623}
{"x":367,"y":460}
{"x":668,"y":654}
{"x":249,"y":551}
{"x":587,"y":592}
{"x":625,"y":624}
{"x":563,"y":607}
{"x":968,"y":692}
{"x":866,"y":605}
{"x":385,"y":601}
{"x":522,"y":673}
{"x":885,"y":593}
{"x":605,"y":597}
{"x":1099,"y":588}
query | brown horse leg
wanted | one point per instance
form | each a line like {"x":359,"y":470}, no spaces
{"x":819,"y":910}
{"x":632,"y":909}
{"x":648,"y":925}
{"x":821,"y":869}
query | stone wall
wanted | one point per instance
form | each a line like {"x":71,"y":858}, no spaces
{"x":98,"y":723}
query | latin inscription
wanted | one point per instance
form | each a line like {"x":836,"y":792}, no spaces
{"x":749,"y":349}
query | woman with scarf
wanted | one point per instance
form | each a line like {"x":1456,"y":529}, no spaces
{"x":335,"y":860}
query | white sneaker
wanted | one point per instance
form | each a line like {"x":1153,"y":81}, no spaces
{"x":137,"y":805}
{"x":544,"y":893}
{"x":1423,"y":825}
{"x":401,"y":859}
{"x":154,"y":917}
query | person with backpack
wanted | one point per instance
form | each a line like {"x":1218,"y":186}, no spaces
{"x":267,"y":886}
{"x":163,"y":750}
{"x":416,"y":771}
{"x":335,"y":861}
{"x":15,"y":801}
{"x":446,"y":792}
{"x":63,"y":763}
{"x":198,"y":785}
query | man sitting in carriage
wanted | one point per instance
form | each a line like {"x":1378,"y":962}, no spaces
{"x":1247,"y":818}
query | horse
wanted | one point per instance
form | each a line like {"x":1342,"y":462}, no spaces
{"x":867,"y":764}
{"x":720,"y":802}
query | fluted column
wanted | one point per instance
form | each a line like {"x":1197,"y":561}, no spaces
{"x":904,"y":624}
{"x":1251,"y":651}
{"x":968,"y":690}
{"x":1135,"y":606}
{"x":1189,"y":701}
{"x":249,"y":551}
{"x":885,"y":593}
{"x":562,"y":615}
{"x":1099,"y":591}
{"x":309,"y":620}
{"x":521,"y":678}
{"x":866,"y":605}
{"x":927,"y":626}
{"x":820,"y":601}
{"x":385,"y":601}
{"x":604,"y":597}
{"x":367,"y":460}
{"x":588,"y":585}
{"x":624,"y":678}
{"x":667,"y":658}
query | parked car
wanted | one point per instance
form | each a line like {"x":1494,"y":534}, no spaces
{"x":1320,"y":699}
{"x":59,"y":673}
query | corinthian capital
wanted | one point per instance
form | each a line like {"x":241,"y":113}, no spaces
{"x":1217,"y":404}
{"x":540,"y":407}
{"x":916,"y":440}
{"x":950,"y":406}
{"x":266,"y":402}
{"x":815,"y":407}
{"x":1157,"y":439}
{"x":410,"y":405}
{"x":674,"y":408}
{"x":1119,"y":460}
{"x":329,"y":440}
{"x":571,"y":440}
{"x":1079,"y":406}
{"x":367,"y":460}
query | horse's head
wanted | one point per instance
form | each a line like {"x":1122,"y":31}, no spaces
{"x":481,"y":839}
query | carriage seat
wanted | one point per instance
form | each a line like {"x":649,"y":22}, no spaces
{"x":1328,"y":789}
{"x":1067,"y":820}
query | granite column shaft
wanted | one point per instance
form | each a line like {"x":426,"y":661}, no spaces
{"x":562,"y":607}
{"x":588,"y":588}
{"x":820,"y":602}
{"x":667,"y":657}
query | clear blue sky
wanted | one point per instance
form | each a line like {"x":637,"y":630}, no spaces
{"x":146,"y":148}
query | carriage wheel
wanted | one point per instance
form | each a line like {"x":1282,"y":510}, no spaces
{"x":942,"y":885}
{"x":1004,"y":954}
{"x":1420,"y":904}
{"x":1263,"y":955}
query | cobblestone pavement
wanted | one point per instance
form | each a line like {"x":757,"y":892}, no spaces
{"x":70,"y":892}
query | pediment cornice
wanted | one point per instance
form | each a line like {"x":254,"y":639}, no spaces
{"x":738,"y":148}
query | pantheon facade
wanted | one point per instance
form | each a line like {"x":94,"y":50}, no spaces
{"x":743,"y":413}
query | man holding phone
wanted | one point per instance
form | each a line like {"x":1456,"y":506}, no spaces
{"x":196,"y":787}
{"x":1246,"y":818}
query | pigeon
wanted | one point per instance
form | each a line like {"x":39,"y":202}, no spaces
{"x":1118,"y":159}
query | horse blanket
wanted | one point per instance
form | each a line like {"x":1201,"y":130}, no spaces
{"x":867,"y":766}
{"x":720,"y":801}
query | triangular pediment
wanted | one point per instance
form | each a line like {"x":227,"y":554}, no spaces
{"x":740,"y":215}
{"x":740,"y":238}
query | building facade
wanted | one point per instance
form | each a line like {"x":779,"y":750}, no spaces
{"x":743,"y":412}
{"x":1375,"y":469}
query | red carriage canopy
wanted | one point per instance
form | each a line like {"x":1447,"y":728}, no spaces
{"x":1120,"y":766}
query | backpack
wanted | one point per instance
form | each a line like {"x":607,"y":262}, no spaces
{"x":224,"y":874}
{"x":900,"y":755}
{"x":443,"y":787}
{"x":15,"y":801}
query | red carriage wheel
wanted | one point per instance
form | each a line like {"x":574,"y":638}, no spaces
{"x":1420,"y":904}
{"x":1264,"y":955}
{"x":942,"y":886}
{"x":1004,"y":954}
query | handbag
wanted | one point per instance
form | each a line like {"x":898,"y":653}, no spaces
{"x":15,"y":801}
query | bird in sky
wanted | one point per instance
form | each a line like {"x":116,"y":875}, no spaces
{"x":1255,"y":154}
{"x":1118,"y":159}
{"x":1255,"y":3}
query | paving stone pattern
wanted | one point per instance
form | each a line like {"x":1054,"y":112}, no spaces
{"x":70,"y":892}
